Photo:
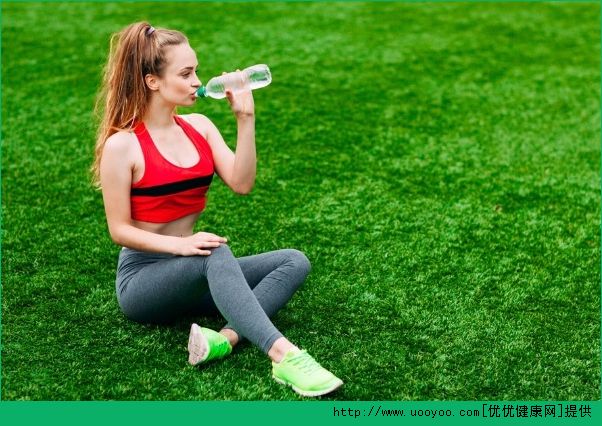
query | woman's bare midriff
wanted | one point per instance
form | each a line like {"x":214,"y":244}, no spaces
{"x":182,"y":227}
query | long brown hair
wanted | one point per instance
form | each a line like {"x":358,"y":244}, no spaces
{"x":137,"y":50}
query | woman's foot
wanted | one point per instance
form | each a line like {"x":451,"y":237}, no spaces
{"x":308,"y":378}
{"x":205,"y":344}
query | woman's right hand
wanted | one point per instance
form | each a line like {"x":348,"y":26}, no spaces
{"x":242,"y":104}
{"x":198,"y":244}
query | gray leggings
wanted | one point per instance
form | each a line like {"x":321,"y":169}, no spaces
{"x":158,"y":288}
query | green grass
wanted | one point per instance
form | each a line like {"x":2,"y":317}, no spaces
{"x":439,"y":164}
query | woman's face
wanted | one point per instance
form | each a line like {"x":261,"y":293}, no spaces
{"x":179,"y":82}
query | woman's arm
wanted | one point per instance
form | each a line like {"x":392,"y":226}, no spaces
{"x":116,"y":178}
{"x":236,"y":170}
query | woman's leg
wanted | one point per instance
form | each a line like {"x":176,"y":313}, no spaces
{"x":156,"y":288}
{"x":236,"y":301}
{"x":162,"y":290}
{"x":153,"y":288}
{"x":275,"y":274}
{"x":274,"y":277}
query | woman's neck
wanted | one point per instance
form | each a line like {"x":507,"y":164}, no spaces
{"x":159,"y":115}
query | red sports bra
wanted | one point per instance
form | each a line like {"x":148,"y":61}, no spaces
{"x":168,"y":192}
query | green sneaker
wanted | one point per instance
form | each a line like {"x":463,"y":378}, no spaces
{"x":205,"y":344}
{"x":308,"y":378}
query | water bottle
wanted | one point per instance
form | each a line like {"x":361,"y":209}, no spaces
{"x":251,"y":78}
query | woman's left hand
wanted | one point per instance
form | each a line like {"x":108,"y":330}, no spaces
{"x":242,"y":103}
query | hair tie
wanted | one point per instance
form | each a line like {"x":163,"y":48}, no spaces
{"x":150,"y":30}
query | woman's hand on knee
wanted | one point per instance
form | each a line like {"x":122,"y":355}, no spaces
{"x":199,"y":244}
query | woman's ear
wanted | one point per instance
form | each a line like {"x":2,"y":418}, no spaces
{"x":151,"y":82}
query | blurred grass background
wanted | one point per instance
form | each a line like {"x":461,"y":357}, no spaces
{"x":439,"y":164}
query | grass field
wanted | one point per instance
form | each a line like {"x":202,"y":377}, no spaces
{"x":439,"y":164}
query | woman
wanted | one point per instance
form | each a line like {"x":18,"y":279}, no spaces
{"x":154,"y":168}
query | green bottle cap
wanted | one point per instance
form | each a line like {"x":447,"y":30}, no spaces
{"x":201,"y":92}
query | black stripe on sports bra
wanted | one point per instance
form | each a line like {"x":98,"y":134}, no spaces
{"x":174,"y":187}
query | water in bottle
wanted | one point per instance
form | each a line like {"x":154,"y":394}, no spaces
{"x":254,"y":77}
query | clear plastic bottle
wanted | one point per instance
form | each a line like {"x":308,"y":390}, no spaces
{"x":254,"y":77}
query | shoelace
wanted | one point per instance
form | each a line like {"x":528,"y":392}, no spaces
{"x":305,"y":362}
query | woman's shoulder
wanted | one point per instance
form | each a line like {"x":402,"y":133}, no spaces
{"x":200,"y":122}
{"x":120,"y":142}
{"x":122,"y":135}
{"x":194,"y":117}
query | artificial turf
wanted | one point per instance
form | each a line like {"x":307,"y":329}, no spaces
{"x":438,"y":163}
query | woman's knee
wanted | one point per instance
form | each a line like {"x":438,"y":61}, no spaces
{"x":221,"y":255}
{"x":223,"y":250}
{"x":299,"y":260}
